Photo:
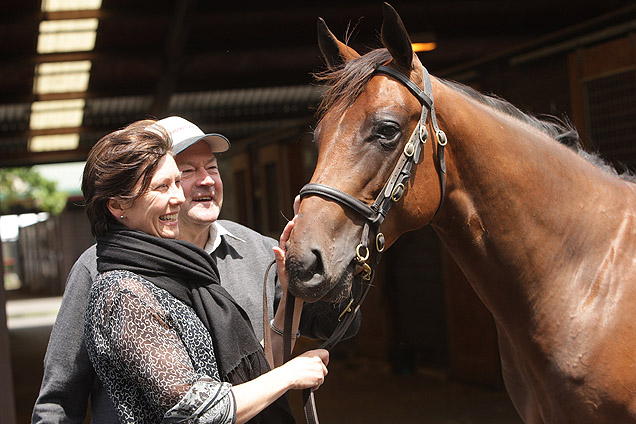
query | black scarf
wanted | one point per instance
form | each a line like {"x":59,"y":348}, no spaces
{"x":189,"y":274}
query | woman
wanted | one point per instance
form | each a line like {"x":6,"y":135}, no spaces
{"x":165,"y":338}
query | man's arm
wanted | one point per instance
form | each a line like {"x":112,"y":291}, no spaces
{"x":68,"y":374}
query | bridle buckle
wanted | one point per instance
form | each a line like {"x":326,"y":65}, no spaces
{"x":347,"y":309}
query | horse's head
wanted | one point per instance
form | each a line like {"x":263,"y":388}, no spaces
{"x":368,"y":119}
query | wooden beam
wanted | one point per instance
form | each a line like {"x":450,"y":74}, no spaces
{"x":173,"y":56}
{"x":35,"y":158}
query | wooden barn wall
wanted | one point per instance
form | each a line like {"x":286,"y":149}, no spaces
{"x":537,"y":87}
{"x":603,"y":92}
{"x":414,"y":293}
{"x":48,"y":250}
{"x":40,"y":248}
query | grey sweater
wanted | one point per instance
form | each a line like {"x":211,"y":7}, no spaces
{"x":69,"y":377}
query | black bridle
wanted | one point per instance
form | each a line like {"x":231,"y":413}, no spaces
{"x":375,"y":214}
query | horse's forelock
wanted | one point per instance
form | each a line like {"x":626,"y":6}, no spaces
{"x":346,"y":82}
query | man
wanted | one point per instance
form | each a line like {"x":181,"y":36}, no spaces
{"x":242,"y":254}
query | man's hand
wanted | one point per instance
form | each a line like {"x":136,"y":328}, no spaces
{"x":296,"y":204}
{"x":279,"y":253}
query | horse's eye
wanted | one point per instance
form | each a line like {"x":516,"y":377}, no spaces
{"x":387,"y":133}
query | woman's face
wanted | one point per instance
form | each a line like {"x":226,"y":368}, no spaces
{"x":156,"y":211}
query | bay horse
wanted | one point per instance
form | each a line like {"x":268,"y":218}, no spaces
{"x":546,"y":238}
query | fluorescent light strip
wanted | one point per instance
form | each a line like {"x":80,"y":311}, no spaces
{"x":48,"y":143}
{"x":63,"y":5}
{"x":57,"y":114}
{"x":61,"y":77}
{"x":71,"y":35}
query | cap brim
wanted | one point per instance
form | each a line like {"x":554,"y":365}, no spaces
{"x":217,"y":142}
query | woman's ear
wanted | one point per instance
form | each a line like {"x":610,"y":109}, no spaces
{"x":116,"y":208}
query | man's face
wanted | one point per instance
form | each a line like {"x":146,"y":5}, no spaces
{"x":202,"y":185}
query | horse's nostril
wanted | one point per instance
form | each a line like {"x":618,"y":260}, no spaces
{"x":303,"y":267}
{"x":318,"y":265}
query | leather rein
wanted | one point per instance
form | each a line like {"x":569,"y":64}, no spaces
{"x":374,"y":215}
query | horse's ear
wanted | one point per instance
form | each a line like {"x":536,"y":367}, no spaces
{"x":334,"y":51}
{"x":395,"y":38}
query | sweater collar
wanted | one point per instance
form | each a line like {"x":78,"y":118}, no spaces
{"x":217,"y":231}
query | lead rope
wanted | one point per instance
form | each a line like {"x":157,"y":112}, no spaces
{"x":344,"y":322}
{"x":267,"y":335}
{"x":309,"y":403}
{"x":289,"y":314}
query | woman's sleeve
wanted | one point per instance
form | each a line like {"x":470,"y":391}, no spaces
{"x":148,"y":349}
{"x":207,"y":401}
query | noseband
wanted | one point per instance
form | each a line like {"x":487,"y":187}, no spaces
{"x":394,"y":187}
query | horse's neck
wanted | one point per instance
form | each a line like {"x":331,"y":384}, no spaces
{"x":521,"y":209}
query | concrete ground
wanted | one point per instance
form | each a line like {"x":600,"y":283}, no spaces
{"x":355,"y":391}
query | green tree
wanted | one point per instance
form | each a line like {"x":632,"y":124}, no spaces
{"x":24,"y":189}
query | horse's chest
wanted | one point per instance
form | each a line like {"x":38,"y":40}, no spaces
{"x":595,"y":386}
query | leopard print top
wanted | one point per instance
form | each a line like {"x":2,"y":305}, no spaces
{"x":153,"y":354}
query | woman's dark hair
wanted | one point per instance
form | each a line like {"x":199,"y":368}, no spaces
{"x":120,"y":166}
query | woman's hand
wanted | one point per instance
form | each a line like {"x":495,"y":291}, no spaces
{"x":308,"y":370}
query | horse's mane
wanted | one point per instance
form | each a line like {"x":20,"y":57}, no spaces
{"x":560,"y":129}
{"x":346,"y":83}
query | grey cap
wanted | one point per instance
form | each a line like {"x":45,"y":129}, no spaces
{"x":184,"y":134}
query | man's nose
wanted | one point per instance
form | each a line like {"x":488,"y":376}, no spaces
{"x":203,"y":178}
